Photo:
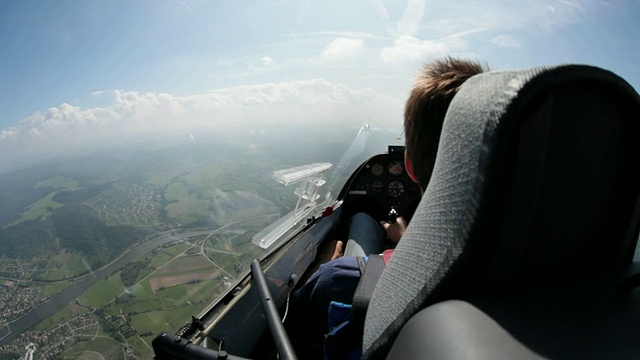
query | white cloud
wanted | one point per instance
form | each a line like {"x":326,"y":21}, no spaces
{"x":411,"y":49}
{"x":504,"y":40}
{"x":185,"y":5}
{"x":134,"y":116}
{"x":409,"y":23}
{"x":345,"y":34}
{"x":456,"y":23}
{"x":343,"y":47}
{"x":532,"y":16}
{"x":98,"y":93}
{"x":268,"y":61}
{"x":380,"y":8}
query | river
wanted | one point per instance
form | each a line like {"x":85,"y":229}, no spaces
{"x":62,"y":299}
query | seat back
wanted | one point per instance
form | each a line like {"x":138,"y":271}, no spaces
{"x":536,"y":184}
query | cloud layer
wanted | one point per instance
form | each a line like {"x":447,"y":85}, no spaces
{"x":343,"y":47}
{"x":380,"y":49}
{"x":133,"y":115}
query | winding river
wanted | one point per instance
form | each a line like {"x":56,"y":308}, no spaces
{"x":62,"y":299}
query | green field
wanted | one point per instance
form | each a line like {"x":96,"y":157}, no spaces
{"x":188,"y":209}
{"x":143,"y":274}
{"x":41,"y":208}
{"x":178,"y":317}
{"x":191,"y":193}
{"x":164,"y":176}
{"x":176,"y":249}
{"x":149,"y":339}
{"x":141,"y":299}
{"x":173,"y":296}
{"x":143,"y":350}
{"x":98,"y":349}
{"x":184,"y":264}
{"x":152,"y":321}
{"x":77,"y":309}
{"x":103,"y":292}
{"x":156,"y":321}
{"x":65,"y":265}
{"x":64,"y":314}
{"x":60,"y":183}
{"x":204,"y":291}
{"x":56,"y":274}
{"x":228,"y":261}
{"x":142,"y":289}
{"x":160,"y":259}
{"x":53,"y":288}
{"x":176,"y":191}
{"x":139,"y":306}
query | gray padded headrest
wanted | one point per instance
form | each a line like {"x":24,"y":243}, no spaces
{"x":536,"y":181}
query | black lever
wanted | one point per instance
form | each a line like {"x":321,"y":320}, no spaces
{"x":283,"y":345}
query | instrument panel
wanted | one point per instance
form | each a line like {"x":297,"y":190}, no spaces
{"x":384,"y":178}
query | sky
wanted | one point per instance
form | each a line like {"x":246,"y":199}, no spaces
{"x":77,"y":73}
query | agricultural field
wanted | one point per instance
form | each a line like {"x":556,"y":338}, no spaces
{"x":204,"y":292}
{"x":188,"y":210}
{"x":213,"y":193}
{"x":60,"y":183}
{"x":103,"y":292}
{"x":39,"y":209}
{"x":176,"y":249}
{"x":181,"y":270}
{"x":53,"y":288}
{"x":156,"y":321}
{"x":143,"y":349}
{"x":64,"y":265}
{"x":99,"y":349}
{"x":160,"y":259}
{"x":232,"y":248}
{"x":63,"y":315}
{"x":184,"y":264}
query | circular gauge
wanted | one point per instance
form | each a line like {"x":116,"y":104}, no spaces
{"x":396,"y":168}
{"x":377,"y":186}
{"x":377,"y":169}
{"x":395,"y":189}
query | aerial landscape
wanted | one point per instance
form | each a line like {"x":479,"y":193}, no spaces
{"x":140,"y":242}
{"x":139,"y":140}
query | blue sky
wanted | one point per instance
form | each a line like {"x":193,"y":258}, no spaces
{"x":79,"y":67}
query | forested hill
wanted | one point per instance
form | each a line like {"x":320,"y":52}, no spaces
{"x":80,"y":229}
{"x":73,"y":227}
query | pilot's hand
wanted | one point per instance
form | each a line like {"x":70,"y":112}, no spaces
{"x":395,"y":230}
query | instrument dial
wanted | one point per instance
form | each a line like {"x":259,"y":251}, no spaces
{"x":395,"y":189}
{"x":377,"y":169}
{"x":395,"y":168}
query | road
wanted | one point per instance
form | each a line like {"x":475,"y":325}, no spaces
{"x":49,"y":307}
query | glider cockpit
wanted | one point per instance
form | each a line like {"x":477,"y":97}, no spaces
{"x":521,"y":247}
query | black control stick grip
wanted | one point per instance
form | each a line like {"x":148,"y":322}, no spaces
{"x":393,"y":215}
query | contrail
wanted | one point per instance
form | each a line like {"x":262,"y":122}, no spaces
{"x":410,"y":20}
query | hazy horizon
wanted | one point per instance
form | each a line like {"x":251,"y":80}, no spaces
{"x":138,"y":139}
{"x":80,"y":76}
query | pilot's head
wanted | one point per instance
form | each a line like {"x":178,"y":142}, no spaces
{"x":426,"y":107}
